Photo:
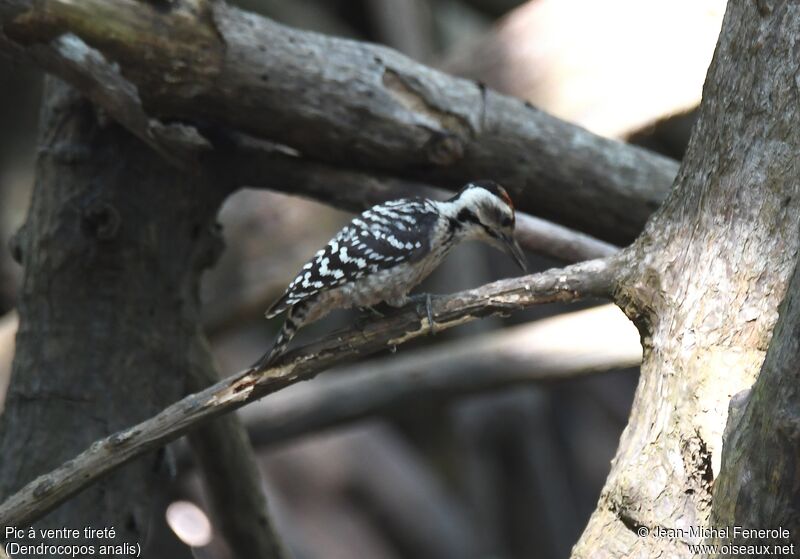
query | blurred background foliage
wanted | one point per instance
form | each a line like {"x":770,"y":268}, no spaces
{"x":513,"y":471}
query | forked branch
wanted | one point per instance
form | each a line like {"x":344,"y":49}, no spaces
{"x":595,"y":278}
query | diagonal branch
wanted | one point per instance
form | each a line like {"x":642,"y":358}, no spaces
{"x":247,"y":161}
{"x":554,"y":349}
{"x":191,"y":64}
{"x":261,"y":282}
{"x":595,"y":278}
{"x":230,"y":472}
{"x":241,"y":160}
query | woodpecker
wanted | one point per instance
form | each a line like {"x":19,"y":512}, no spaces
{"x":390,"y":248}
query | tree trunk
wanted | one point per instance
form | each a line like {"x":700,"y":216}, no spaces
{"x":759,"y":484}
{"x":113,"y":249}
{"x":703,"y":285}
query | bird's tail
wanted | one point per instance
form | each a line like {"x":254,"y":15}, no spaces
{"x":295,"y":318}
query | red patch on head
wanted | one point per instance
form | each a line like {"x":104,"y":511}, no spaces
{"x":504,"y":195}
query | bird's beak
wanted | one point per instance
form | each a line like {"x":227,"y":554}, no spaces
{"x":511,"y":247}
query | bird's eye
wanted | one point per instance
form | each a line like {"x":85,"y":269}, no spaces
{"x":507,"y":221}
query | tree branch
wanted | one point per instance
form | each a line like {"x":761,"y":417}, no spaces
{"x":241,"y":160}
{"x":230,"y":472}
{"x":320,"y":182}
{"x":331,"y":100}
{"x":247,"y":161}
{"x":559,"y":348}
{"x":595,"y":278}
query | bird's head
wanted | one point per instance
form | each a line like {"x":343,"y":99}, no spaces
{"x":484,"y":211}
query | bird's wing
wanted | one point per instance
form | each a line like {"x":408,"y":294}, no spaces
{"x":380,"y":238}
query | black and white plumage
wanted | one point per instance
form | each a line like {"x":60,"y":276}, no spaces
{"x":390,"y":248}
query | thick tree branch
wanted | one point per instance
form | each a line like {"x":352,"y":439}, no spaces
{"x":595,"y":278}
{"x":240,"y":160}
{"x":332,"y":100}
{"x":246,"y":161}
{"x":559,"y":348}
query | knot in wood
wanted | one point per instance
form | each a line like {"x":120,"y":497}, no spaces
{"x":101,"y":220}
{"x":43,"y":487}
{"x":764,"y":7}
{"x":444,"y":149}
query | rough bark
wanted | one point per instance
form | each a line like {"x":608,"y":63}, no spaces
{"x":336,"y":100}
{"x":109,"y":310}
{"x":89,"y":258}
{"x":587,"y":279}
{"x":759,"y":483}
{"x":704,"y":284}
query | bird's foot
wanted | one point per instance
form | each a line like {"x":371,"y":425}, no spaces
{"x":368,"y":314}
{"x":419,"y":301}
{"x":371,"y":311}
